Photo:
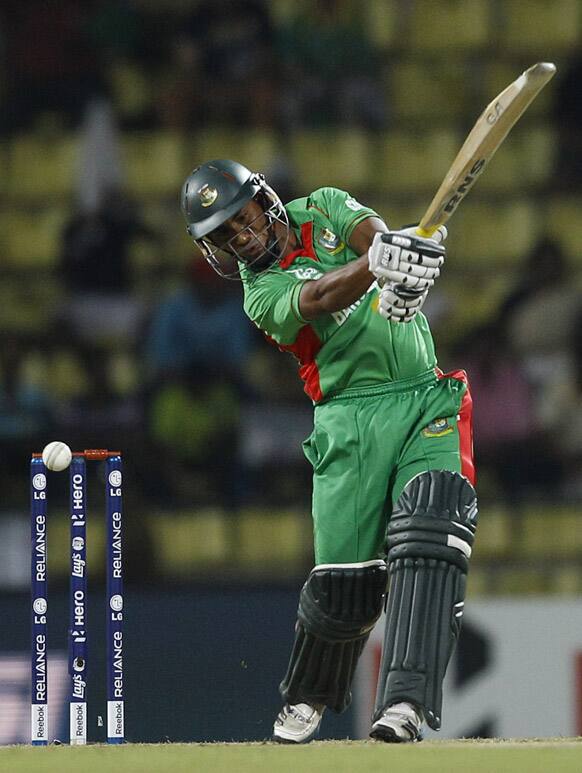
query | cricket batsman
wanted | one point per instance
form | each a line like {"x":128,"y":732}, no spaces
{"x":394,"y":508}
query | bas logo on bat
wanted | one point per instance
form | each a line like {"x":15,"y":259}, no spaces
{"x":489,"y":131}
{"x":455,"y":199}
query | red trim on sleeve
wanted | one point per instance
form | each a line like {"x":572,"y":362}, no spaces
{"x":306,"y":250}
{"x":305,"y":348}
{"x":464,"y":425}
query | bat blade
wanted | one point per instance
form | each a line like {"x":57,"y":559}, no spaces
{"x":489,"y":131}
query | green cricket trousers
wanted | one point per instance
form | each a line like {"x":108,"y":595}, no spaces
{"x":368,"y":443}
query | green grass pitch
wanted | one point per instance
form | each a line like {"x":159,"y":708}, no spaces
{"x":557,"y":755}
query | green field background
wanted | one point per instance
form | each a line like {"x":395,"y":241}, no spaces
{"x":551,"y":756}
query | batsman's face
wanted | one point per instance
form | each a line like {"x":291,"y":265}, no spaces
{"x":245,"y":235}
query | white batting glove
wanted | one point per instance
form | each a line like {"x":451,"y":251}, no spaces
{"x":405,"y":259}
{"x":399,"y":305}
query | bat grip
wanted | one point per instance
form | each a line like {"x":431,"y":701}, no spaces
{"x":426,"y":233}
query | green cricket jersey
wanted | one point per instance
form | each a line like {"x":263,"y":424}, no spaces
{"x":349,"y":349}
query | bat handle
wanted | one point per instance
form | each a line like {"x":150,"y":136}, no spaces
{"x":426,"y":233}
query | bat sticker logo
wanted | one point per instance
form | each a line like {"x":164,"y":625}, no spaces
{"x":463,"y":188}
{"x":492,"y":117}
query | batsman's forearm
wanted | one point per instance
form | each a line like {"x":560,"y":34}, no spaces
{"x":336,"y":290}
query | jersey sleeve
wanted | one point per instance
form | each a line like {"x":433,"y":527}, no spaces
{"x":342,"y":209}
{"x":272,"y":303}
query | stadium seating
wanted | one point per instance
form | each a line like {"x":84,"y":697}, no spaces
{"x":154,"y":162}
{"x":265,"y":539}
{"x":534,"y":26}
{"x":31,"y":236}
{"x":562,"y":216}
{"x":41,"y":166}
{"x":442,"y":61}
{"x":317,"y":157}
{"x":256,"y":149}
{"x":429,"y":91}
{"x":188,"y":541}
{"x":437,"y":25}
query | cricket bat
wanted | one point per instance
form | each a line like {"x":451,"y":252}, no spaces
{"x":489,"y":131}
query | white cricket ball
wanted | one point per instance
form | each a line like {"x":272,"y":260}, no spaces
{"x":57,"y":456}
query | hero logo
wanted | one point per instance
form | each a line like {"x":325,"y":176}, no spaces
{"x":78,"y":610}
{"x":77,"y":497}
{"x":470,"y":178}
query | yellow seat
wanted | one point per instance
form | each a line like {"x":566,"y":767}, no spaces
{"x":66,"y":375}
{"x":494,"y":534}
{"x":267,"y":538}
{"x":524,"y":581}
{"x":540,"y":26}
{"x":326,"y":157}
{"x":526,"y":158}
{"x":476,"y":296}
{"x":449,"y":24}
{"x":131,"y":88}
{"x":414,"y":162}
{"x":4,"y":164}
{"x":154,"y":162}
{"x":382,"y":22}
{"x":396,"y":213}
{"x":567,"y":580}
{"x":283,"y":11}
{"x":429,"y":89}
{"x":32,"y":238}
{"x":42,"y":166}
{"x":185,"y":542}
{"x":256,"y":149}
{"x":488,"y":232}
{"x":478,"y":583}
{"x":162,"y":216}
{"x":563,"y":223}
{"x":28,"y":302}
{"x":552,"y":531}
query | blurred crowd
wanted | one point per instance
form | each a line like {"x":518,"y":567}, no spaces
{"x":176,"y":376}
{"x":204,"y":63}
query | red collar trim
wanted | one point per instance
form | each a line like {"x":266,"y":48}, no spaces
{"x":306,"y":250}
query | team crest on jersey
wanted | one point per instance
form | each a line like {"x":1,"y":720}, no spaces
{"x":437,"y":428}
{"x":207,"y":195}
{"x":330,"y":241}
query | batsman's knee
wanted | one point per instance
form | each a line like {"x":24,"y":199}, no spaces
{"x":338,"y":607}
{"x":434,"y":517}
{"x":340,"y":602}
